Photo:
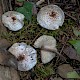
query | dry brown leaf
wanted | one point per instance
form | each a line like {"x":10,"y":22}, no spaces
{"x":4,"y":43}
{"x":7,"y":73}
{"x":71,"y":53}
{"x":5,"y":57}
{"x":2,"y":28}
{"x":64,"y":69}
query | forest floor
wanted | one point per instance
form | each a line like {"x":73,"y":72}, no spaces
{"x":69,"y":31}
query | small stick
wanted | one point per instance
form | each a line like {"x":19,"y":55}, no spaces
{"x":36,"y":36}
{"x":70,"y":16}
{"x":48,"y":2}
{"x":50,"y":50}
{"x":3,"y":6}
{"x":40,"y":2}
{"x":54,"y":51}
{"x":10,"y":6}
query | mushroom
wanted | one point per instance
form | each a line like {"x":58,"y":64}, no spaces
{"x":25,"y":54}
{"x":13,"y":20}
{"x":50,"y":17}
{"x":47,"y":44}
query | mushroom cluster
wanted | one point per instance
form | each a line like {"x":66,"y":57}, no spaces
{"x":13,"y":20}
{"x":50,"y":17}
{"x":25,"y":54}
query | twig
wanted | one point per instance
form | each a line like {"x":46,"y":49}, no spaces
{"x":36,"y":36}
{"x":77,"y":1}
{"x":62,"y":49}
{"x":3,"y":6}
{"x":54,"y":51}
{"x":77,"y":12}
{"x":48,"y":1}
{"x":40,"y":2}
{"x":10,"y":6}
{"x":70,"y":16}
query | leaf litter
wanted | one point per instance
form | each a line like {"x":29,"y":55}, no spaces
{"x":71,"y":53}
{"x":32,"y":31}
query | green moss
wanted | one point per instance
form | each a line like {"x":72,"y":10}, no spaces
{"x":28,"y":32}
{"x":43,"y":71}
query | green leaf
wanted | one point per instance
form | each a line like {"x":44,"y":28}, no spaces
{"x":20,"y":0}
{"x":76,"y":44}
{"x":73,"y":74}
{"x":28,"y":6}
{"x":26,"y":10}
{"x":76,"y":32}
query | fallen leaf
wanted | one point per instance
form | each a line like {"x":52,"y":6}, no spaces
{"x":26,"y":10}
{"x":5,"y":57}
{"x":76,"y":44}
{"x":7,"y":73}
{"x":76,"y":32}
{"x":71,"y":53}
{"x":2,"y":28}
{"x":4,"y":44}
{"x":64,"y":69}
{"x":73,"y":74}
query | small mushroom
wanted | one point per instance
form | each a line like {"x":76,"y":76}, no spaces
{"x":50,"y":17}
{"x":47,"y":44}
{"x":25,"y":54}
{"x":13,"y":20}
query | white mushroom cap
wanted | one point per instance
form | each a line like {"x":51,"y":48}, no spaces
{"x":46,"y":42}
{"x":13,"y":20}
{"x":25,"y":54}
{"x":50,"y":17}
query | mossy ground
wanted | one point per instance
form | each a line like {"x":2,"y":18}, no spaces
{"x":29,"y":33}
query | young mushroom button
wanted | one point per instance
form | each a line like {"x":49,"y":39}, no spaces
{"x":47,"y":44}
{"x":25,"y":54}
{"x":50,"y":17}
{"x":13,"y":20}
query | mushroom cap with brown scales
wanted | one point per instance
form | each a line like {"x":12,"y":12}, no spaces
{"x":13,"y":20}
{"x":50,"y":17}
{"x":25,"y":55}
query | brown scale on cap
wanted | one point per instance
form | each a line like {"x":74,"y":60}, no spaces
{"x":13,"y":18}
{"x":21,"y":57}
{"x":53,"y":14}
